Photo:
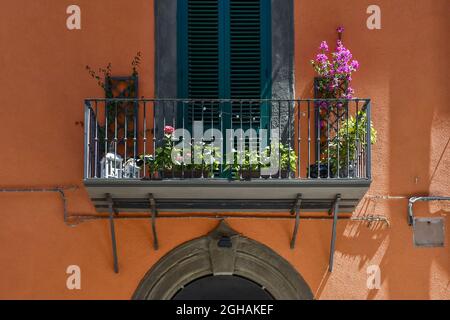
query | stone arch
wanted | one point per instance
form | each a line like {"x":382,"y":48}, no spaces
{"x":223,"y":252}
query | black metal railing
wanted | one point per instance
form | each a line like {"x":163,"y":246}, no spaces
{"x":156,"y":139}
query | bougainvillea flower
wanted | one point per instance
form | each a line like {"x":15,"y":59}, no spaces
{"x":336,"y":69}
{"x":324,"y":46}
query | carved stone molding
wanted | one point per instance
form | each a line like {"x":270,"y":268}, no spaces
{"x":223,"y":252}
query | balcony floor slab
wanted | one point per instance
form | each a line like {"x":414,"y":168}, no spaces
{"x":215,"y":195}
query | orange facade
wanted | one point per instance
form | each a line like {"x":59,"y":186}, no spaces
{"x":404,"y":70}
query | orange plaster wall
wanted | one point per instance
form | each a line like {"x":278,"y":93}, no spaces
{"x":43,"y":82}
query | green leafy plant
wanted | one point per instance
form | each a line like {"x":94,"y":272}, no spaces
{"x":205,"y":159}
{"x":253,"y":161}
{"x":162,"y":159}
{"x":352,"y":136}
{"x":198,"y":158}
{"x":103,"y":74}
{"x":288,"y":158}
{"x":117,"y":112}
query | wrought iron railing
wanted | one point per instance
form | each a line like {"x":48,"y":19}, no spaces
{"x":156,"y":139}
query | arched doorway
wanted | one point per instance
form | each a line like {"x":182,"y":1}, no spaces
{"x":223,"y":288}
{"x":219,"y":264}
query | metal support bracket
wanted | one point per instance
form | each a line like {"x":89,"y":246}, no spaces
{"x":112,"y":212}
{"x":296,"y":210}
{"x":154,"y":216}
{"x":333,"y":231}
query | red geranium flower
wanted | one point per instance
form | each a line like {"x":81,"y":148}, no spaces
{"x":168,"y":130}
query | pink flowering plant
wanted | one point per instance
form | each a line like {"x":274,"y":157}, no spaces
{"x":335,"y":71}
{"x":162,"y":160}
{"x":163,"y":154}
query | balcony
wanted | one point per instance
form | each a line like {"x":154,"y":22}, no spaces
{"x":227,"y":155}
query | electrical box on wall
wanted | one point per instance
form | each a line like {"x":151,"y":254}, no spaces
{"x":429,"y":232}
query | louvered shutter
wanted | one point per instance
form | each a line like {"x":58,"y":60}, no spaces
{"x":249,"y":51}
{"x":224,"y":52}
{"x":203,"y":59}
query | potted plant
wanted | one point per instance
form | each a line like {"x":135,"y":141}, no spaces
{"x":160,"y":164}
{"x":287,"y":161}
{"x":252,"y":162}
{"x":246,"y":165}
{"x":170,"y":162}
{"x":351,"y":139}
{"x":202,"y":161}
{"x":164,"y":164}
{"x":333,"y":90}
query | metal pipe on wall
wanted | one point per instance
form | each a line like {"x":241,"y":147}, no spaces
{"x":369,"y":218}
{"x":59,"y":190}
{"x":413,"y":200}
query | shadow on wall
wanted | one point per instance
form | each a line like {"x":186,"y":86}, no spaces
{"x":359,"y":242}
{"x":406,"y":271}
{"x":418,"y":92}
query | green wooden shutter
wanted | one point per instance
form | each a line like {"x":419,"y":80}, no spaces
{"x":224,"y":51}
{"x":198,"y":58}
{"x":250,"y":53}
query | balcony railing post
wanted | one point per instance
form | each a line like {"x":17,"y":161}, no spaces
{"x":357,"y":157}
{"x":369,"y":141}
{"x":87,"y":148}
{"x":318,"y":123}
{"x":299,"y":138}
